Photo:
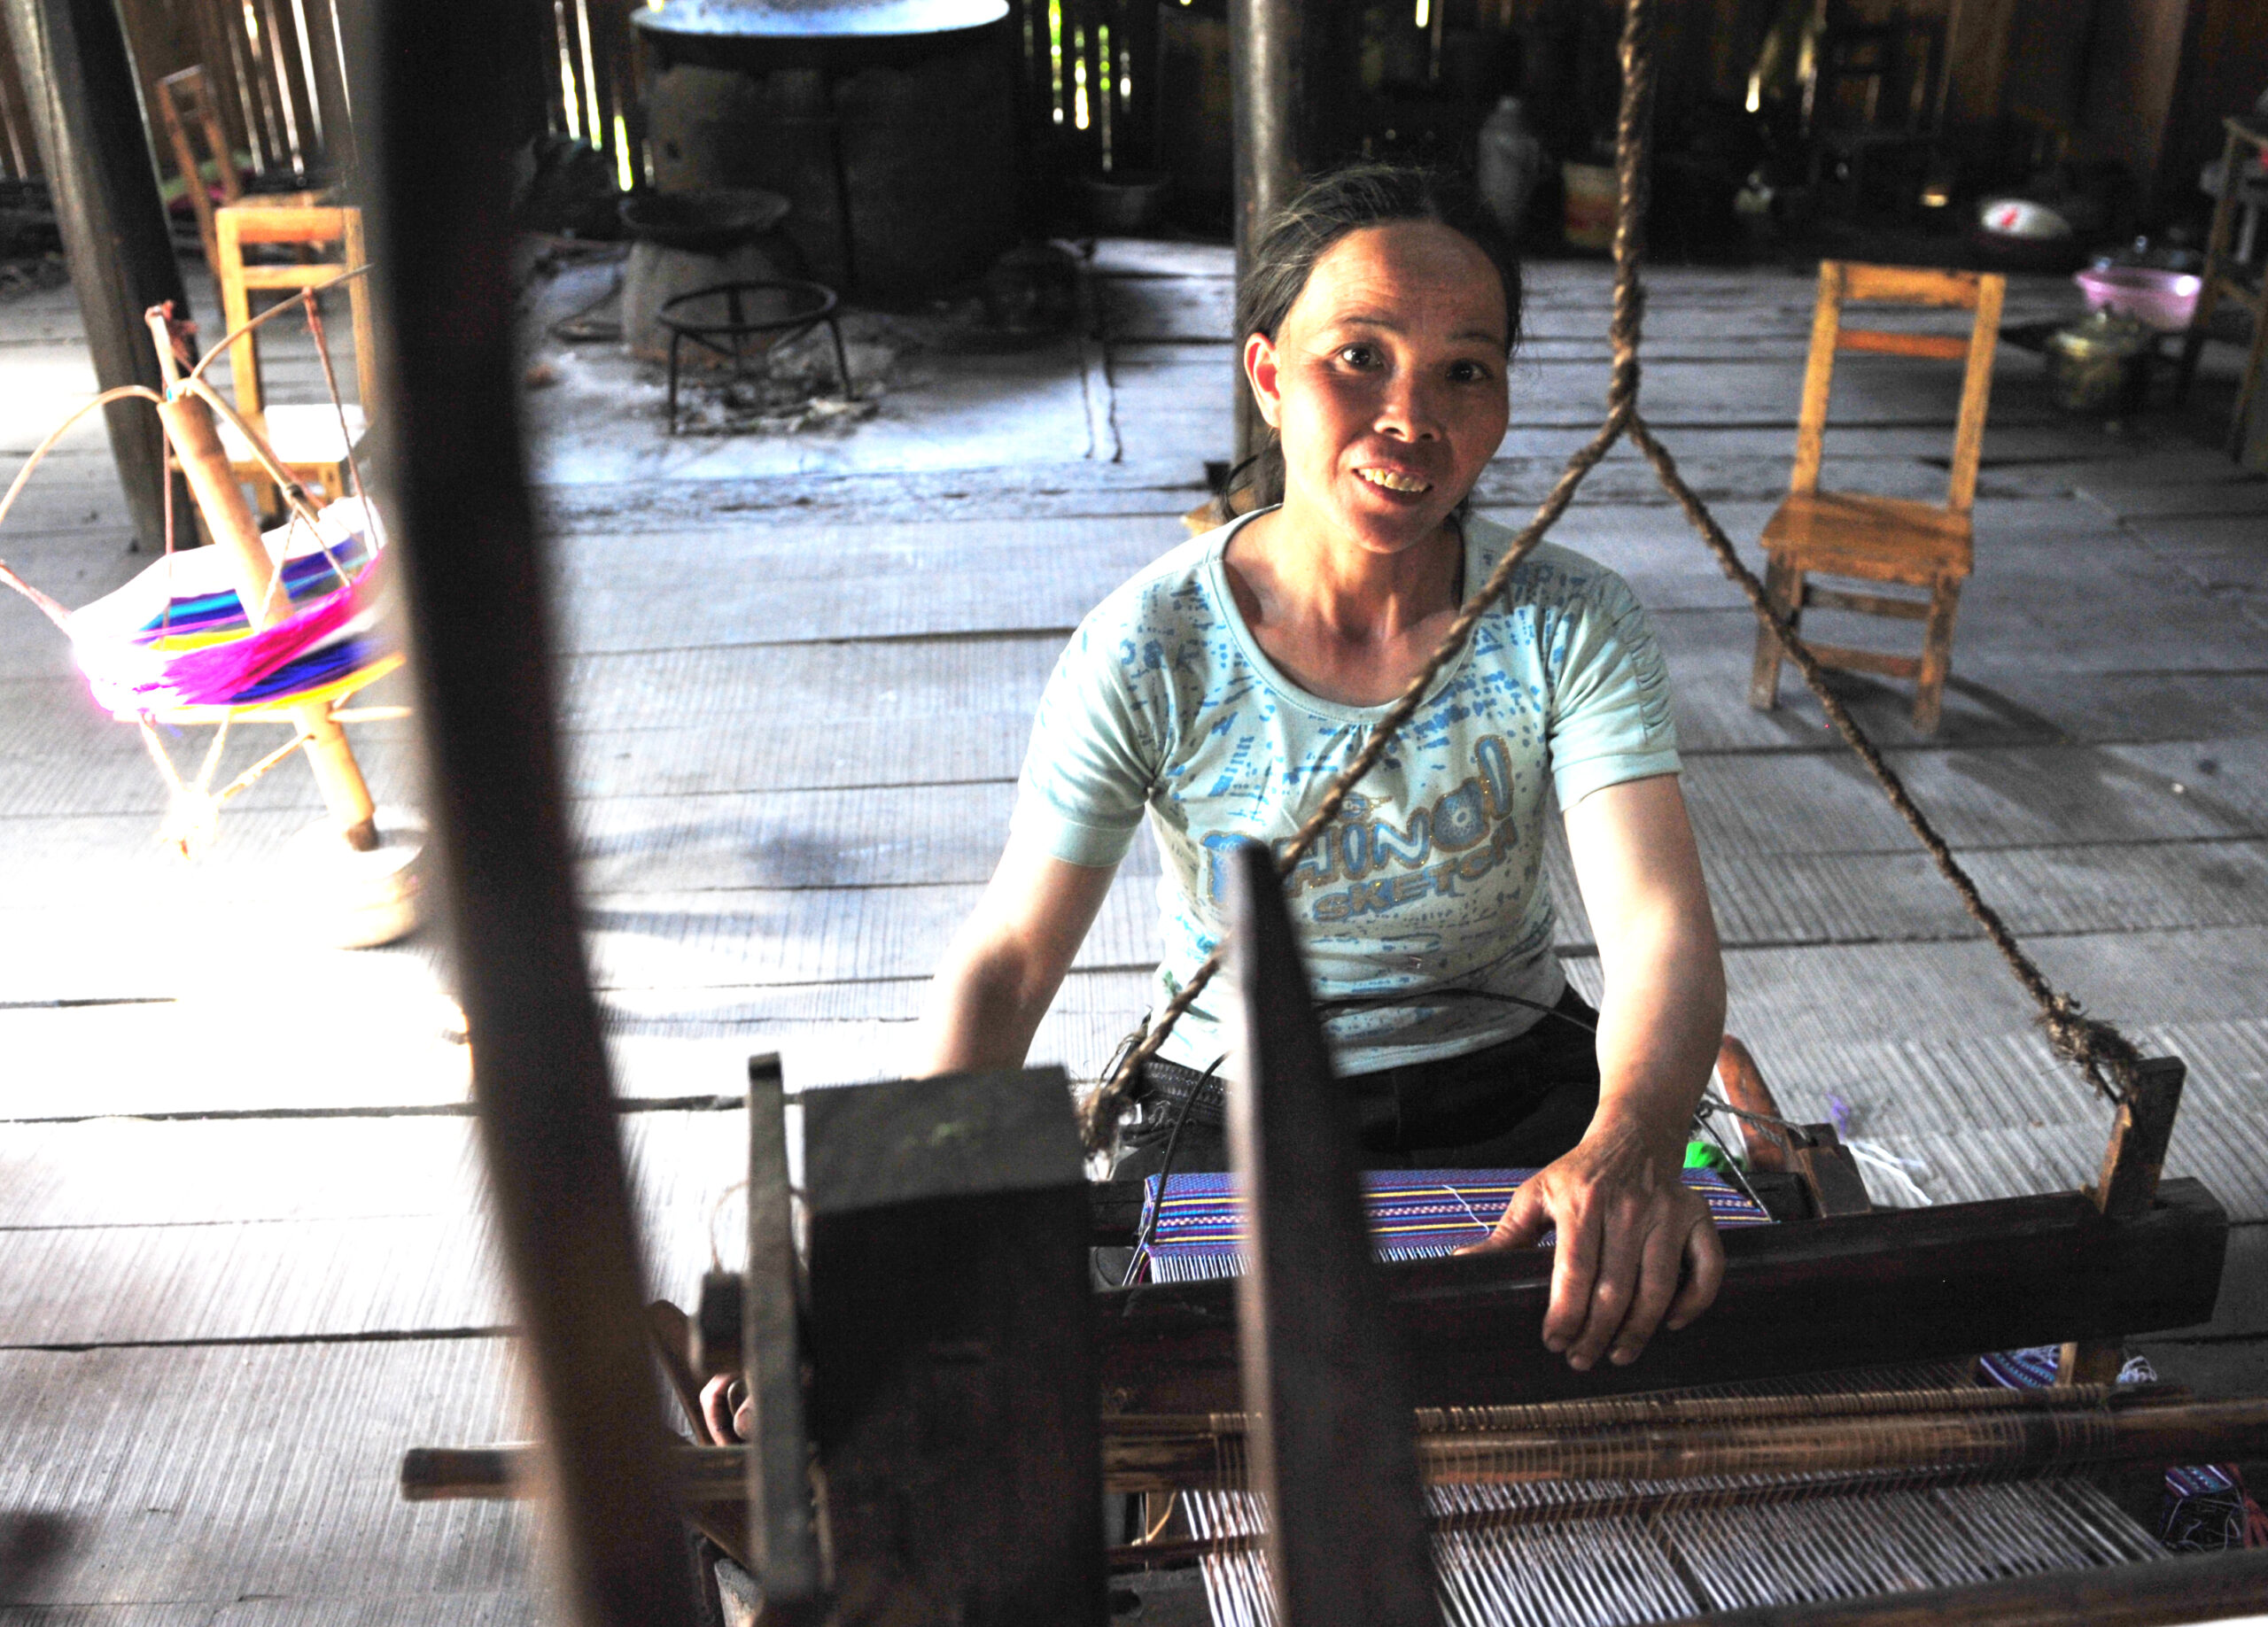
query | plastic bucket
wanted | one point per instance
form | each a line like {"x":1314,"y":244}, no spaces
{"x":1590,"y":205}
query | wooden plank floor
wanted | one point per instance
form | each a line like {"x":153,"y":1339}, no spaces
{"x":249,"y":1256}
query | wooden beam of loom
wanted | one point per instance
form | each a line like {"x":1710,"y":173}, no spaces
{"x":1329,"y":1427}
{"x":953,"y":1397}
{"x":781,"y":1533}
{"x":1955,"y":1443}
{"x":1891,"y":1287}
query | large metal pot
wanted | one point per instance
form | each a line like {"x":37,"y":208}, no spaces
{"x":887,"y":124}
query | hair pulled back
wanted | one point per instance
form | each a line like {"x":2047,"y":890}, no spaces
{"x":1332,"y":206}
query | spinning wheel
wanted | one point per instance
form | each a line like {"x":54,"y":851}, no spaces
{"x":278,"y":628}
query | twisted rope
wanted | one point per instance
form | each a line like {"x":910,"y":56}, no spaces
{"x":2103,"y":1056}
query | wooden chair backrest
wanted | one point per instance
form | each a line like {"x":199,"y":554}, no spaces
{"x":1842,"y":282}
{"x":295,"y":223}
{"x":185,"y":100}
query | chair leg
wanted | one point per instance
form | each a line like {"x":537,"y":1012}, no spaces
{"x":2248,"y":389}
{"x":1936,"y":654}
{"x":1783,"y":586}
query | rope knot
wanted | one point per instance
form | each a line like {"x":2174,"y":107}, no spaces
{"x":2107,"y":1057}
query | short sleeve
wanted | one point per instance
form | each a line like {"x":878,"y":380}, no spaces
{"x":1610,"y":695}
{"x":1088,"y":772}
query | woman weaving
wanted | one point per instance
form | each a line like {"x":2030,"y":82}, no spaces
{"x":1225,"y":684}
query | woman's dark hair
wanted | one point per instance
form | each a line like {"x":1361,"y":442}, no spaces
{"x":1331,"y":207}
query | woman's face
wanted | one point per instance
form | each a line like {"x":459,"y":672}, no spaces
{"x":1386,"y":382}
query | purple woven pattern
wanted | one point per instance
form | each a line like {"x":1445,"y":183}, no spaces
{"x":1414,"y":1214}
{"x":2205,"y":1504}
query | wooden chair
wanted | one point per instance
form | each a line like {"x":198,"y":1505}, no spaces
{"x":1881,"y":538}
{"x":2227,"y":277}
{"x":306,"y":437}
{"x":186,"y":104}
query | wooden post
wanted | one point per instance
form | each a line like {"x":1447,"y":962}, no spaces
{"x":2131,"y":1167}
{"x":437,"y":100}
{"x":86,"y":116}
{"x":952,"y":1352}
{"x":1332,"y":1445}
{"x":1264,"y":68}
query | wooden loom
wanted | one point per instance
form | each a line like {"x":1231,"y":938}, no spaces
{"x":941,"y":1393}
{"x":960,"y":1373}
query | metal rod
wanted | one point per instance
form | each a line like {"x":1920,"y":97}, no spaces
{"x":439,"y":101}
{"x":86,"y":119}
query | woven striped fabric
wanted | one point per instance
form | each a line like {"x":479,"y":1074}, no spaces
{"x":1415,"y":1214}
{"x":174,"y":643}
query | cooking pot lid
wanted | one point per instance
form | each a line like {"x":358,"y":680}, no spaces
{"x":799,"y":20}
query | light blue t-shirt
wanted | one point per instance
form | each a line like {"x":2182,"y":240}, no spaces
{"x":1425,"y":897}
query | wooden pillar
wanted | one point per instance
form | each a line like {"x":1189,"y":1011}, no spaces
{"x":86,"y":117}
{"x":1264,"y":65}
{"x":435,"y":97}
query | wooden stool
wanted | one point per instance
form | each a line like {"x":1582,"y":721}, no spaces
{"x":1881,"y":538}
{"x":307,"y":437}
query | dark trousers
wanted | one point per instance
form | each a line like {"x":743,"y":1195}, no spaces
{"x":1517,"y":1106}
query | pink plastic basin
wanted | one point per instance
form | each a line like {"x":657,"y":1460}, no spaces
{"x":2164,"y":300}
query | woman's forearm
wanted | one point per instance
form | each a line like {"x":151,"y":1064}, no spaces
{"x":1663,"y":1016}
{"x":980,"y":1012}
{"x":1661,"y":1025}
{"x":999,"y":976}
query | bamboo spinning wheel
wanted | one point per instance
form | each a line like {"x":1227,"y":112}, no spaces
{"x":285,"y":628}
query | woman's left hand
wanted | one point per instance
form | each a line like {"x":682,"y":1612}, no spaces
{"x":725,"y":1408}
{"x":1628,"y":1224}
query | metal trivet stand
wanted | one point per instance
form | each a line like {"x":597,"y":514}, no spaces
{"x":813,"y":303}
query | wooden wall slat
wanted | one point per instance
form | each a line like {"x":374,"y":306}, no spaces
{"x":18,"y":150}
